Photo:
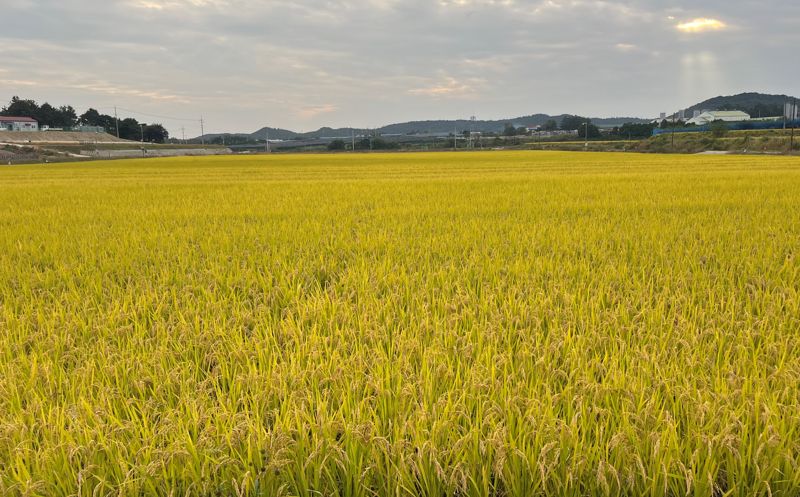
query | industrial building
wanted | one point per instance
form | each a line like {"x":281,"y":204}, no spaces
{"x":730,"y":116}
{"x":791,"y":111}
{"x":11,"y":123}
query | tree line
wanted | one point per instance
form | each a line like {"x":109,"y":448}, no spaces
{"x":65,"y":117}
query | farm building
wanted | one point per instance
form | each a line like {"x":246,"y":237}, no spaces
{"x":731,"y":116}
{"x":791,"y":110}
{"x":10,"y":123}
{"x":89,"y":129}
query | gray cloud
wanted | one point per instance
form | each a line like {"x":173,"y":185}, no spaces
{"x":307,"y":63}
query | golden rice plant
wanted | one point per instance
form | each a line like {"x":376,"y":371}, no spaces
{"x":482,"y":324}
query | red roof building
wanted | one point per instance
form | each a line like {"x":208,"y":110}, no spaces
{"x":14,"y":123}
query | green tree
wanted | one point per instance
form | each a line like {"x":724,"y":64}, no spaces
{"x":59,"y":117}
{"x":336,"y":145}
{"x":593,"y":132}
{"x":155,"y":133}
{"x":718,"y":129}
{"x":93,"y":118}
{"x":583,"y":125}
{"x":129,"y":129}
{"x":550,"y":125}
{"x":573,"y":123}
{"x":63,"y":117}
{"x":21,"y":108}
{"x":635,"y":130}
{"x":509,"y":130}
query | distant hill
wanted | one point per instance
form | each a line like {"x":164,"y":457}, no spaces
{"x":274,"y":134}
{"x":438,"y":127}
{"x":755,"y":104}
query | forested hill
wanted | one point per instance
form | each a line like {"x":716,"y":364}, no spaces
{"x":755,"y":104}
{"x":424,"y":127}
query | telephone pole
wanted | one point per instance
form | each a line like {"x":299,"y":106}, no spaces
{"x":586,"y":142}
{"x":183,"y":134}
{"x":353,"y":136}
{"x":785,"y":112}
{"x":202,"y":132}
{"x":116,"y":120}
{"x":266,"y":142}
{"x":673,"y":132}
{"x":793,"y":115}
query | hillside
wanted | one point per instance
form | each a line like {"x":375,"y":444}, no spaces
{"x":45,"y":137}
{"x":755,"y":104}
{"x":434,"y":127}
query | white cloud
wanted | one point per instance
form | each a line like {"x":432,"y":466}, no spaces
{"x":449,"y":88}
{"x":700,"y":25}
{"x":352,"y":62}
{"x":313,"y":111}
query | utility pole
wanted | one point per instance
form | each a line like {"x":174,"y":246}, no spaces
{"x":116,"y":120}
{"x":266,"y":142}
{"x":183,"y":134}
{"x":202,"y":132}
{"x":786,"y":110}
{"x":586,"y":135}
{"x":353,"y":136}
{"x":673,"y":132}
{"x":455,"y":139}
{"x":793,"y":116}
{"x":141,"y":131}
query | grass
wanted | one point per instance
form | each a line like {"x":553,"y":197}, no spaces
{"x":505,"y":323}
{"x":742,"y":142}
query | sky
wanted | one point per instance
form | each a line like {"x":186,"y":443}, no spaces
{"x":303,"y":64}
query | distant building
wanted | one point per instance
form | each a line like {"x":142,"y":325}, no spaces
{"x":668,"y":117}
{"x":791,"y":111}
{"x":93,"y":129}
{"x":731,"y":116}
{"x":558,"y":132}
{"x":11,"y":123}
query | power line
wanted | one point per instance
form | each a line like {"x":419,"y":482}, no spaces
{"x":152,"y":115}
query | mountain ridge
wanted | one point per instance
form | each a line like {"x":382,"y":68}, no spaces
{"x":756,"y":104}
{"x":420,"y":127}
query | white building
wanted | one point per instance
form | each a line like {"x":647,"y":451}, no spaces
{"x":791,"y":110}
{"x":557,"y":132}
{"x":10,"y":123}
{"x":730,"y":116}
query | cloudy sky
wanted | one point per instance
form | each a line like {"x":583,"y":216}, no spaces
{"x":303,"y":64}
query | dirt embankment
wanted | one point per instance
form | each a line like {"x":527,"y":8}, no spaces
{"x":56,"y":137}
{"x":739,"y":142}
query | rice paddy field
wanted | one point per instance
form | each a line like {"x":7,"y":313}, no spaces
{"x":471,"y":324}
